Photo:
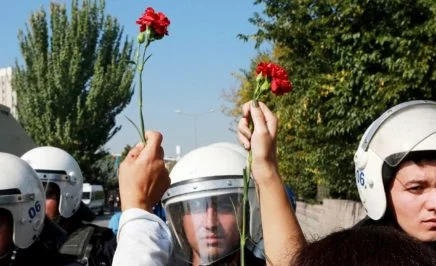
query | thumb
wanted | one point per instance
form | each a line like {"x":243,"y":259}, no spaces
{"x":152,"y":148}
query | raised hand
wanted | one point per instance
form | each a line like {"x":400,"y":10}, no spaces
{"x":262,"y":141}
{"x":143,"y":177}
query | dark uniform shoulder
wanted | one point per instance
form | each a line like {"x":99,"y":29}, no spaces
{"x":39,"y":254}
{"x":44,"y":251}
{"x":91,"y":244}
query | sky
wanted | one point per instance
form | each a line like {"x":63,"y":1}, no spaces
{"x":189,"y":70}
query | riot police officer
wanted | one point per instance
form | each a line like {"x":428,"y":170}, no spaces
{"x":26,"y":236}
{"x":62,"y":179}
{"x":204,"y":210}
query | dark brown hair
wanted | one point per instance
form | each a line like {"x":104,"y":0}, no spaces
{"x":366,"y":245}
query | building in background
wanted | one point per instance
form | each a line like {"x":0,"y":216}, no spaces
{"x":8,"y":97}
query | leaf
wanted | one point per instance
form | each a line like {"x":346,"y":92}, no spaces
{"x":146,"y":59}
{"x":137,"y":129}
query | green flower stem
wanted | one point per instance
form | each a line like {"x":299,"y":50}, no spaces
{"x":257,"y":91}
{"x":242,"y":235}
{"x":246,"y":177}
{"x":246,"y":180}
{"x":140,"y":68}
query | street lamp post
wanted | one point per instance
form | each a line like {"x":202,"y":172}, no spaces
{"x":195,"y":118}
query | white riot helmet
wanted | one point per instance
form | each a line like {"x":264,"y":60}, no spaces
{"x":230,"y":145}
{"x":404,"y":130}
{"x":22,"y":194}
{"x":54,"y":165}
{"x":203,"y":204}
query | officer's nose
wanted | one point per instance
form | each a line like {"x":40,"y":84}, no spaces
{"x":430,"y":201}
{"x":210,"y":217}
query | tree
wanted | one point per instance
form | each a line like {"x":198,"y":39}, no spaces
{"x":126,"y":150}
{"x":74,"y":81}
{"x":108,"y":173}
{"x":349,"y":61}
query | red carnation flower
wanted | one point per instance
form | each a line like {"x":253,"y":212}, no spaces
{"x":157,"y":22}
{"x":276,"y":75}
{"x":264,"y":69}
{"x":280,"y":86}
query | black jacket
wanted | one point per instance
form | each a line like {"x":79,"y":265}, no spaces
{"x":44,"y":251}
{"x":87,"y":243}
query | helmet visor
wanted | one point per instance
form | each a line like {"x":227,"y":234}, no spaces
{"x":206,"y":228}
{"x":410,"y":129}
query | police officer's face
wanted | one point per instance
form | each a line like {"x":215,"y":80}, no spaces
{"x":412,"y":198}
{"x":6,"y":226}
{"x":211,"y":227}
{"x":52,"y":195}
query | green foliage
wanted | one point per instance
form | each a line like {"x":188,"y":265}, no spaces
{"x":349,"y":61}
{"x":75,"y":80}
{"x":126,"y":150}
{"x":109,"y":166}
{"x":108,"y":174}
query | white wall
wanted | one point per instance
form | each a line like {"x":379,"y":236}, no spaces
{"x":319,"y":220}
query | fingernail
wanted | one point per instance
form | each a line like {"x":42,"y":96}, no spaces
{"x":255,"y":104}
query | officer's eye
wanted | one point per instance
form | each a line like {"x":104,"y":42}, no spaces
{"x":415,"y":189}
{"x":228,"y":204}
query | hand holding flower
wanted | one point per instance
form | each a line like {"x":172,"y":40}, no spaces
{"x":261,"y":142}
{"x":270,"y":77}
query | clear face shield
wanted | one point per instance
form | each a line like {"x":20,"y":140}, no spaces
{"x":394,"y":155}
{"x":394,"y":136}
{"x":206,"y":225}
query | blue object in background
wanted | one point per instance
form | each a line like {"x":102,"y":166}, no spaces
{"x":115,"y":219}
{"x":291,"y":197}
{"x":159,"y":211}
{"x":114,"y":222}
